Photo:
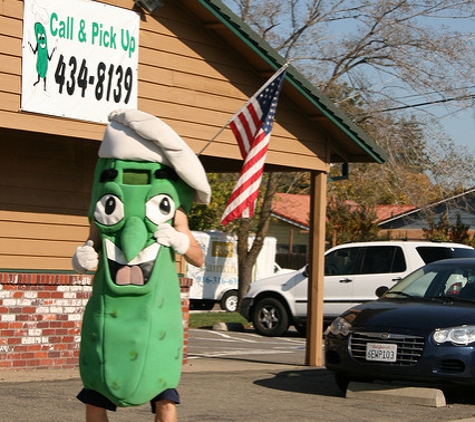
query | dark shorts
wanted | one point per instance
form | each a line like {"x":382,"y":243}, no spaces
{"x":97,"y":399}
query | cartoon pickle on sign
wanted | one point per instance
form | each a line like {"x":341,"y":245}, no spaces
{"x":145,"y":182}
{"x":41,"y":51}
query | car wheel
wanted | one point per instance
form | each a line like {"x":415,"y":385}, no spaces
{"x":342,"y":382}
{"x":270,"y":317}
{"x":301,"y":329}
{"x":229,"y":301}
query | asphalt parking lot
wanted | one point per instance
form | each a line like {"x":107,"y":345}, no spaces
{"x":220,"y":385}
{"x":248,"y":346}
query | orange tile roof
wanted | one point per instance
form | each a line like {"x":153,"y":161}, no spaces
{"x":296,"y":209}
{"x":389,"y":211}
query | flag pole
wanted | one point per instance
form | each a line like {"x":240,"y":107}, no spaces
{"x":224,"y":127}
{"x":212,"y":139}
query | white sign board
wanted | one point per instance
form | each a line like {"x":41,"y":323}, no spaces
{"x":80,"y":59}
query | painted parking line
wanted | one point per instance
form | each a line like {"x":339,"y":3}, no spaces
{"x":221,"y":335}
{"x":247,"y":352}
{"x":214,"y":344}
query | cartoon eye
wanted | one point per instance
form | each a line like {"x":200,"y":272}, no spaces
{"x":160,"y":208}
{"x":109,"y":210}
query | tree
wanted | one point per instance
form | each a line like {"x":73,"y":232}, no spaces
{"x":202,"y":217}
{"x":459,"y":231}
{"x":247,"y":257}
{"x":371,"y":57}
{"x":347,"y":223}
{"x":437,"y":231}
{"x":443,"y":231}
{"x":377,"y":47}
{"x":367,"y":56}
{"x":208,"y":217}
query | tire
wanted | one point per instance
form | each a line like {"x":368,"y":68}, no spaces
{"x":342,"y":382}
{"x":301,"y":329}
{"x":229,"y":301}
{"x":270,"y":317}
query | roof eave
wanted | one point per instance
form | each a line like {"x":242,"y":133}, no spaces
{"x":289,"y":221}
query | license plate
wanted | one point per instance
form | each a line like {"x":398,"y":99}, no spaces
{"x":381,"y":352}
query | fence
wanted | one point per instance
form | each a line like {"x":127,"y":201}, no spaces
{"x":291,"y":260}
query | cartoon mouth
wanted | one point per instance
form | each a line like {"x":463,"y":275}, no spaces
{"x":135,"y":272}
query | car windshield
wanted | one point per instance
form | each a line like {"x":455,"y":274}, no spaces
{"x":454,"y":280}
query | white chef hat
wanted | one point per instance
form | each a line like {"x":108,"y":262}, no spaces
{"x":137,"y":136}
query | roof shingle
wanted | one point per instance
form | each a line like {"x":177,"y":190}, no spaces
{"x":295,"y":209}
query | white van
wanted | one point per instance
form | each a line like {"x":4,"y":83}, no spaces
{"x":217,"y":280}
{"x":353,"y":273}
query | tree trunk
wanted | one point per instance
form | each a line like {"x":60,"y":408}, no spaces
{"x":247,"y":256}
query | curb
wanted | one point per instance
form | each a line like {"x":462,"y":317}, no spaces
{"x":423,"y":396}
{"x":228,"y":326}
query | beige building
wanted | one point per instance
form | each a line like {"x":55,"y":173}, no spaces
{"x":197,"y":63}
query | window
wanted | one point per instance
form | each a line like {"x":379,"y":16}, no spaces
{"x":365,"y":260}
{"x":299,"y":249}
{"x":383,"y":259}
{"x":435,"y":253}
{"x":342,"y":261}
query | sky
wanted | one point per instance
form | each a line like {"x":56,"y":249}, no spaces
{"x":457,"y":123}
{"x":460,"y":127}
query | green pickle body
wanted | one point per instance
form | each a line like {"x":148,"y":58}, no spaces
{"x":132,"y":335}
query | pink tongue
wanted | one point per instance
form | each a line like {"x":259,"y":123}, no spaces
{"x":129,"y":275}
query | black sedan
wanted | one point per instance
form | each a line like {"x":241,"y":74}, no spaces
{"x":421,"y":330}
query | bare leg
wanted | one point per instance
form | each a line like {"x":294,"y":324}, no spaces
{"x":165,"y":411}
{"x":95,"y":414}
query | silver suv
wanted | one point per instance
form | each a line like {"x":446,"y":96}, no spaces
{"x":353,"y":273}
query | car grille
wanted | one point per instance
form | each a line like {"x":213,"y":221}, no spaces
{"x":451,"y":365}
{"x":409,"y":348}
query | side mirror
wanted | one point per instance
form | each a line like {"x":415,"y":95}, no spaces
{"x":305,"y":271}
{"x":381,"y":290}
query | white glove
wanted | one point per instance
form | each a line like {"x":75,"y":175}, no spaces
{"x":85,"y":258}
{"x":166,"y":235}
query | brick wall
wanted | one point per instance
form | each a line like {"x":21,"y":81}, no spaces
{"x":40,"y":319}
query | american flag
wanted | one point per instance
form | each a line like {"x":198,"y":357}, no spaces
{"x":252,"y":126}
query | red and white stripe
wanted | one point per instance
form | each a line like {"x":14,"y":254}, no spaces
{"x":242,"y":201}
{"x":252,"y":126}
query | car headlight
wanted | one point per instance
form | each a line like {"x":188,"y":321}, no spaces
{"x":340,"y":326}
{"x":462,"y":335}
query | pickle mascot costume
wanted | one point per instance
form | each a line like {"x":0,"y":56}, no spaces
{"x":132,"y":335}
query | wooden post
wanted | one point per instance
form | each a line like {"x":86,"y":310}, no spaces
{"x":318,"y":202}
{"x":291,"y":241}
